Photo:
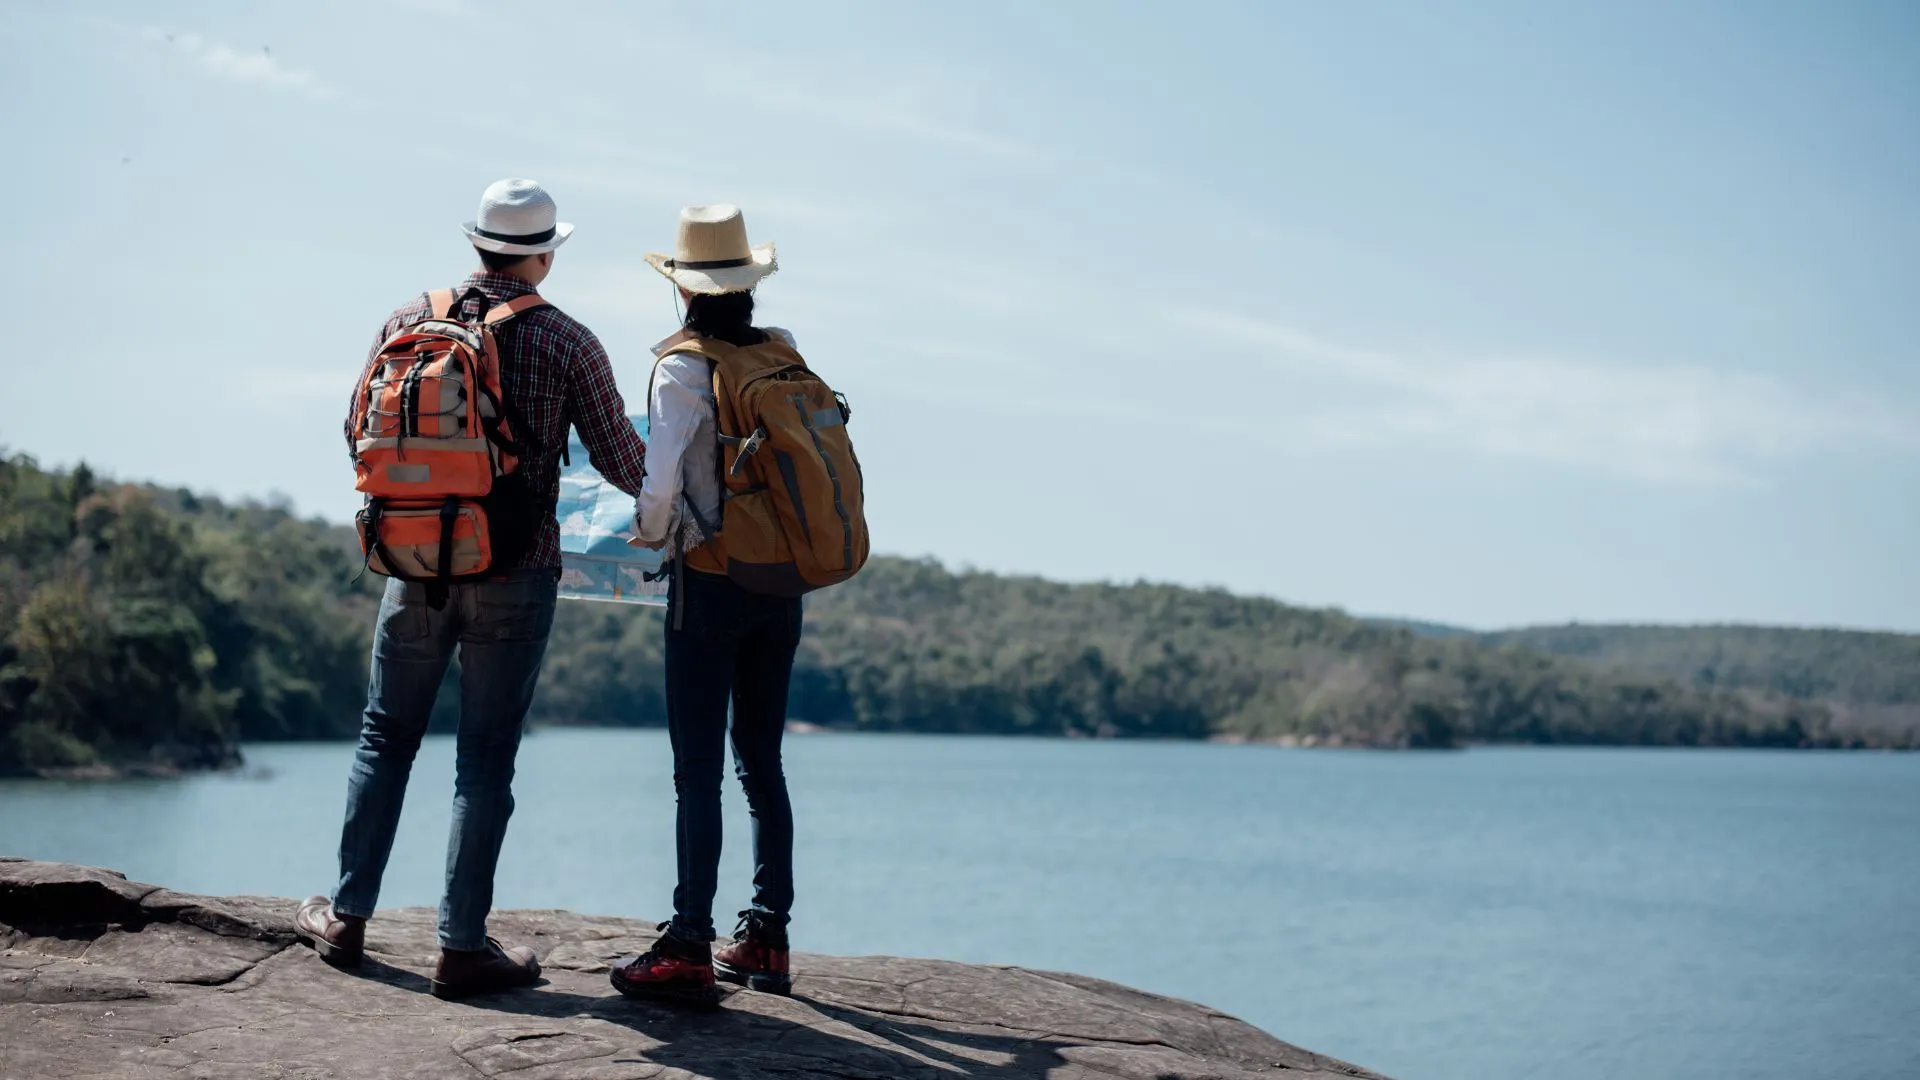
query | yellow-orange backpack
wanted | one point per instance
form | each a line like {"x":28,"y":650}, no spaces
{"x":437,"y":448}
{"x":793,"y":506}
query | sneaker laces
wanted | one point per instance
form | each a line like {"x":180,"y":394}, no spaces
{"x":674,"y":947}
{"x":753,"y":924}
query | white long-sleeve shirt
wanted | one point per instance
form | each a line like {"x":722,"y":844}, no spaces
{"x":682,"y":485}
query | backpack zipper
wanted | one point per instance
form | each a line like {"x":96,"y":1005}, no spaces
{"x":410,"y":396}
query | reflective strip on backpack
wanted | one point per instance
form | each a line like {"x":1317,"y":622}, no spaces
{"x":839,"y":505}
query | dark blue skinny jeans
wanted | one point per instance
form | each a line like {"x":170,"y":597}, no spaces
{"x":726,"y":645}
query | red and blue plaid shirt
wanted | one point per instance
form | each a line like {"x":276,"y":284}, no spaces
{"x":556,"y":374}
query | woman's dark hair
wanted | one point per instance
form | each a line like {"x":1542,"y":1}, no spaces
{"x":726,"y":316}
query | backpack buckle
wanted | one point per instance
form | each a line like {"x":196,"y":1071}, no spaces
{"x":749,"y":446}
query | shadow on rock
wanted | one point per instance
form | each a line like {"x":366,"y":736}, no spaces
{"x":757,"y":1035}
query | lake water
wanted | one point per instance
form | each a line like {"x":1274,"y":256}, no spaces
{"x":1569,"y":914}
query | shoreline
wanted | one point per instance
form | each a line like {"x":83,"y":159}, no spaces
{"x":100,"y":772}
{"x":106,"y":772}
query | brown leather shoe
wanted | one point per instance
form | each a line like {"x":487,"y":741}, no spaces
{"x":341,"y":940}
{"x":463,"y":973}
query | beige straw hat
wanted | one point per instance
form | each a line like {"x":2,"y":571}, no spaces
{"x":711,"y":254}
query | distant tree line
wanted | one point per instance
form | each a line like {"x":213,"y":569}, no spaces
{"x":1870,"y":681}
{"x":147,"y":627}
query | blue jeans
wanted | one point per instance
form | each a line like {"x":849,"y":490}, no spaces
{"x":732,"y":646}
{"x":501,"y":629}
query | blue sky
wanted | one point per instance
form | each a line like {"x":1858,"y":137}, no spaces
{"x":1490,"y":313}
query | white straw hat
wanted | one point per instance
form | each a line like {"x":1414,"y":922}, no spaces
{"x":711,"y":254}
{"x":517,"y":217}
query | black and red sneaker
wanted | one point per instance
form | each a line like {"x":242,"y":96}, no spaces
{"x":673,"y":971}
{"x":757,"y":959}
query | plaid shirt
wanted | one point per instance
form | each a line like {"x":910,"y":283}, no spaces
{"x":556,"y":373}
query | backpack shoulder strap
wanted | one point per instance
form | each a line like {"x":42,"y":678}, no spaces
{"x":686,"y":341}
{"x":500,"y":313}
{"x":440,"y":303}
{"x":713,"y":351}
{"x":672,"y":342}
{"x":778,"y":346}
{"x":681,"y":343}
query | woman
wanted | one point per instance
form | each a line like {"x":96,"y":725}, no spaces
{"x":724,"y":643}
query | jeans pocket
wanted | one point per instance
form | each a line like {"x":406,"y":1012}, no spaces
{"x":520,"y":609}
{"x":404,"y":617}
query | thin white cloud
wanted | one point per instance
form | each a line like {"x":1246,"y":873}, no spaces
{"x":922,"y":114}
{"x":915,"y":121}
{"x":438,"y":7}
{"x":931,"y":107}
{"x":1673,"y":425}
{"x":676,"y":182}
{"x":255,"y":67}
{"x":1008,"y":384}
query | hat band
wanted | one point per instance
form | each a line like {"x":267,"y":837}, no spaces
{"x":708,"y":264}
{"x":524,"y":238}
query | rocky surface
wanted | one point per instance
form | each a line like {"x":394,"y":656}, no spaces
{"x":103,"y":977}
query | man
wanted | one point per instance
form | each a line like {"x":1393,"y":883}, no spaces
{"x":554,"y":373}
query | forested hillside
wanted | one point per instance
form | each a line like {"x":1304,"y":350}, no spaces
{"x":1872,"y":679}
{"x":142,"y":626}
{"x":149,"y":627}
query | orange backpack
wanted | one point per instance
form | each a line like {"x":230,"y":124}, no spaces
{"x":793,"y":506}
{"x":436,"y":447}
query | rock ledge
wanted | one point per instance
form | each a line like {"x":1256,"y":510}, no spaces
{"x":104,"y":977}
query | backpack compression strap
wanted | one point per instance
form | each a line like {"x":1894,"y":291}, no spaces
{"x":447,"y":303}
{"x":441,"y":304}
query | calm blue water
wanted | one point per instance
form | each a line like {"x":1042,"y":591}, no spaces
{"x":1562,"y":914}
